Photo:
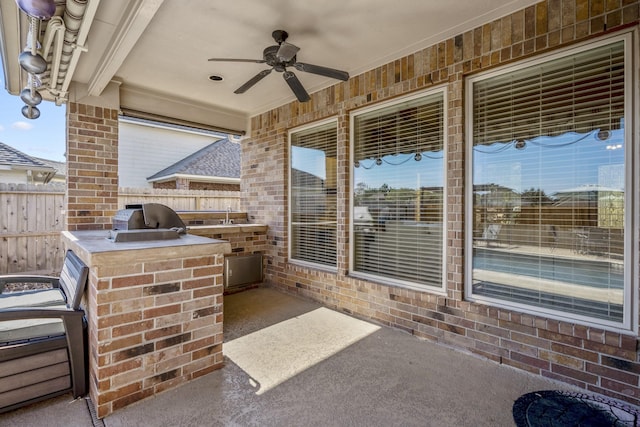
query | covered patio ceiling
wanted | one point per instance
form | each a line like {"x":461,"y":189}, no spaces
{"x":155,"y":52}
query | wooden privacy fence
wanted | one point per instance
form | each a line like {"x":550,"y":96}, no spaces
{"x":31,"y":220}
{"x":181,"y":200}
{"x":32,"y":217}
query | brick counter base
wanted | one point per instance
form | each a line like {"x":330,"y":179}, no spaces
{"x":160,"y":326}
{"x":155,"y":319}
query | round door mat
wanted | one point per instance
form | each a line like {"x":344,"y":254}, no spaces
{"x":552,"y":408}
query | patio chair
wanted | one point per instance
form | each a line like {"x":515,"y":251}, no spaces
{"x":490,"y":234}
{"x":43,"y":337}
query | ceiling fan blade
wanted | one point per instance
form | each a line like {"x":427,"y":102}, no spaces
{"x":323,"y":71}
{"x":287,"y":51}
{"x":258,"y":61}
{"x":255,"y":79}
{"x":296,"y":86}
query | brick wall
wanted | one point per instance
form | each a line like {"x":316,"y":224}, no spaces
{"x":213,"y":186}
{"x":589,"y":357}
{"x":242,"y":242}
{"x":155,"y":321}
{"x":167,"y":185}
{"x":191,"y":185}
{"x":92,"y":166}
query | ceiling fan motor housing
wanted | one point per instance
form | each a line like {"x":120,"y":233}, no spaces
{"x":271,"y":58}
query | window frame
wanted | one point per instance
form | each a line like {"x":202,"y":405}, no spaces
{"x":441,"y":290}
{"x":291,"y":259}
{"x":631,"y":179}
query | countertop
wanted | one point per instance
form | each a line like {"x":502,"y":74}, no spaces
{"x":226,"y":228}
{"x":93,"y":244}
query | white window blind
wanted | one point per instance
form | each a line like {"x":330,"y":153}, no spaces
{"x":398,"y":211}
{"x":579,"y":93}
{"x":549,"y":194}
{"x":313,"y":195}
{"x":406,"y":128}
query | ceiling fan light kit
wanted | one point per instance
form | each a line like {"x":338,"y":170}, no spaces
{"x":279,"y":57}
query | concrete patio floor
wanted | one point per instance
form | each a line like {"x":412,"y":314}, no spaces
{"x":291,"y":362}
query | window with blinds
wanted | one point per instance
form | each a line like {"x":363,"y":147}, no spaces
{"x":313,"y":182}
{"x":549,"y":166}
{"x":398,"y":192}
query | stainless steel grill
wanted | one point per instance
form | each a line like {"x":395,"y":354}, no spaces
{"x":149,"y":221}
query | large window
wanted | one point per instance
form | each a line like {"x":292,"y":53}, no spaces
{"x":313,"y":195}
{"x":549,"y":169}
{"x":398,"y":192}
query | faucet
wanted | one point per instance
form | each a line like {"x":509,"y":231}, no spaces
{"x":227,"y":220}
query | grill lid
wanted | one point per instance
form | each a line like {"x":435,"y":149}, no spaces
{"x":161,"y":216}
{"x":129,"y":218}
{"x":149,"y":221}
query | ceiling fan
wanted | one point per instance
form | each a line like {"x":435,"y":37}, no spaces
{"x":281,"y":56}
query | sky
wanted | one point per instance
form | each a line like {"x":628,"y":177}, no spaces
{"x":43,"y":137}
{"x":552,"y":164}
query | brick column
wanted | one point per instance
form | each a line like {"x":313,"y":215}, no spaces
{"x":92,"y":166}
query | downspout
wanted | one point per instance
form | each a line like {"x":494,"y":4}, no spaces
{"x":53,"y":34}
{"x":78,"y":17}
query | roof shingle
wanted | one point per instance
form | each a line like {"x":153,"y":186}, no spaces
{"x":12,"y":157}
{"x":220,"y":159}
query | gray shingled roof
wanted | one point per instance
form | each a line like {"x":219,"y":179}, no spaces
{"x":220,"y":159}
{"x":12,"y":157}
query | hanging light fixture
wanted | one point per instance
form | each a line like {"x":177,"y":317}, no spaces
{"x":30,"y":60}
{"x":32,"y":63}
{"x":30,"y":112}
{"x":30,"y":96}
{"x":39,"y":9}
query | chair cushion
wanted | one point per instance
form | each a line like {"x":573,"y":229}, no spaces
{"x":27,"y":329}
{"x":39,"y":298}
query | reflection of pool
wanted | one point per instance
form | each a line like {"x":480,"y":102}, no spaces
{"x":586,"y":287}
{"x":599,"y":274}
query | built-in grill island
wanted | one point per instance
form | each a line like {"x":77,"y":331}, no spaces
{"x":149,"y":221}
{"x":158,"y":262}
{"x":131,"y":284}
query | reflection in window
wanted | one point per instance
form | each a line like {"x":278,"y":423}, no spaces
{"x":313,"y":195}
{"x":398,"y":193}
{"x":548,"y":184}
